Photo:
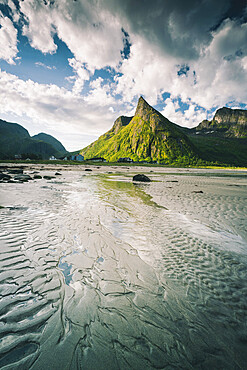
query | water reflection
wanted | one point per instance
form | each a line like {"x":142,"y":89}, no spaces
{"x":66,"y":269}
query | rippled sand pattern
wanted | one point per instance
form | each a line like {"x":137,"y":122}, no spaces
{"x":99,"y":273}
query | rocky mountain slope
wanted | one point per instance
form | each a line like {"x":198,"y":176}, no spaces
{"x":148,"y":136}
{"x":224,"y":139}
{"x":15,"y":139}
{"x":226,"y":122}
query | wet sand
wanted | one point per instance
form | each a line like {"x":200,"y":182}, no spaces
{"x":100,"y":273}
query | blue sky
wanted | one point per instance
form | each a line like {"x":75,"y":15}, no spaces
{"x":70,"y":68}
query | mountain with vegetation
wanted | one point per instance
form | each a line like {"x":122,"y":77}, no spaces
{"x":226,"y":122}
{"x":57,"y":145}
{"x":147,"y":136}
{"x":15,"y":140}
{"x":223,"y":139}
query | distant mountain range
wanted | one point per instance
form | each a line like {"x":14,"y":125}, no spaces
{"x":15,"y":140}
{"x":149,"y":136}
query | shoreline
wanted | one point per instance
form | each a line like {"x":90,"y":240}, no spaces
{"x":45,"y":165}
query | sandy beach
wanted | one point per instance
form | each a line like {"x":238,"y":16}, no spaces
{"x":98,"y":272}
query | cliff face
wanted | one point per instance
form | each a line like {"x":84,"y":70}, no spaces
{"x":120,"y":122}
{"x":146,"y":136}
{"x":231,"y":116}
{"x":226,"y":122}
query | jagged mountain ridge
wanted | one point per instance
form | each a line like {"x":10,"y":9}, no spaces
{"x":147,"y":136}
{"x":226,"y":122}
{"x":223,"y":139}
{"x":15,"y":139}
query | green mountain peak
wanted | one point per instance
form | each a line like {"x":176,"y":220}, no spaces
{"x":147,"y":136}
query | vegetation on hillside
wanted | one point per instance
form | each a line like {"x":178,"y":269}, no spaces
{"x":147,"y":137}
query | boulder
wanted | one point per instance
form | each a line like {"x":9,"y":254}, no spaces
{"x":16,"y":171}
{"x":49,"y":177}
{"x":22,"y":177}
{"x":37,"y":177}
{"x":4,"y":176}
{"x":142,"y":178}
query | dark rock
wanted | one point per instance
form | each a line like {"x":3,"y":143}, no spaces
{"x":88,"y":169}
{"x":16,"y":171}
{"x":4,"y":176}
{"x":141,"y":177}
{"x":58,"y":174}
{"x":49,"y":177}
{"x":37,"y":177}
{"x":22,"y":177}
{"x":197,"y":192}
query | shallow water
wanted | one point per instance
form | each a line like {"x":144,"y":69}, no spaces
{"x":100,"y":273}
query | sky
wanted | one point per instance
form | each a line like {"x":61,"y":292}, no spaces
{"x":69,"y":68}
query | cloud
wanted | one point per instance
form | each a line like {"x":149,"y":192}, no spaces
{"x":81,"y":75}
{"x":8,"y":40}
{"x":178,"y":28}
{"x":53,"y":107}
{"x":217,"y":77}
{"x":89,"y":30}
{"x":163,"y":38}
{"x":38,"y":25}
{"x":40,"y":64}
{"x":189,"y":118}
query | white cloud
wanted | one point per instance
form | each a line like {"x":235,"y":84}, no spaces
{"x":8,"y":40}
{"x":81,"y":75}
{"x":100,"y":94}
{"x":145,"y":72}
{"x":91,"y":32}
{"x":220,"y":72}
{"x":50,"y":107}
{"x":190,"y":118}
{"x":40,"y":64}
{"x":39,"y":28}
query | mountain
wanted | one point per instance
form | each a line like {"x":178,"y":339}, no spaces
{"x":148,"y":136}
{"x":224,"y":139}
{"x":226,"y":122}
{"x":50,"y":140}
{"x":15,"y":139}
